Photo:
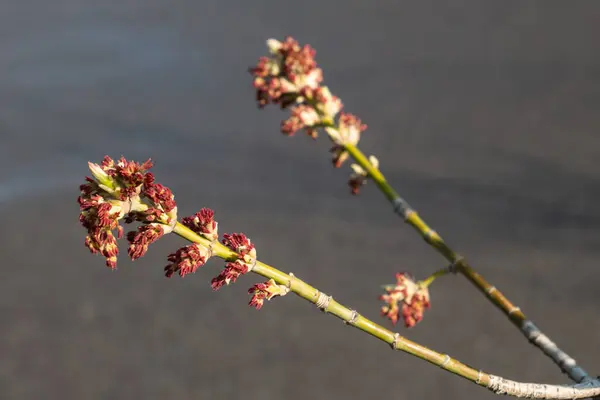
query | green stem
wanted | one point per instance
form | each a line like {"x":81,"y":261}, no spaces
{"x":429,"y":280}
{"x":351,"y":317}
{"x":425,"y":282}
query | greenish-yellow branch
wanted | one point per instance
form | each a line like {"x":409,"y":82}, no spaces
{"x":396,"y":341}
{"x":429,"y":280}
{"x":333,"y":307}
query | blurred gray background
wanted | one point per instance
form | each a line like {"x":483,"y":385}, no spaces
{"x":484,"y":116}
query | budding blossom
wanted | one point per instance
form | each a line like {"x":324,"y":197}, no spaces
{"x":187,"y":260}
{"x":291,"y":78}
{"x":140,"y":240}
{"x":124,"y":190}
{"x":230,"y":274}
{"x":359,"y":176}
{"x":407,"y":299}
{"x":203,"y":223}
{"x":265,"y":291}
{"x":326,"y":103}
{"x":303,"y":117}
{"x":242,"y":245}
{"x":290,"y":69}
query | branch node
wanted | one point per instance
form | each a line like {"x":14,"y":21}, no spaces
{"x":402,"y":208}
{"x":429,"y":235}
{"x":514,"y":310}
{"x":252,"y":264}
{"x":446,"y":361}
{"x":322,"y":301}
{"x":394,"y":343}
{"x":289,"y":282}
{"x":353,"y":318}
{"x":453,"y":268}
{"x":479,"y":376}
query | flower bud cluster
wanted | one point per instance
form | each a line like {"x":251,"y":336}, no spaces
{"x":359,"y":176}
{"x":265,"y":291}
{"x":203,"y":223}
{"x":188,"y":259}
{"x":242,"y":245}
{"x":124,"y":190}
{"x":407,"y":299}
{"x":290,"y":77}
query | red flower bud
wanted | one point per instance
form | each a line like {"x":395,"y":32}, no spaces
{"x":238,"y":242}
{"x":230,"y":274}
{"x":124,"y":190}
{"x":265,"y":291}
{"x":407,"y":299}
{"x":187,"y":260}
{"x":203,"y":223}
{"x":140,"y":240}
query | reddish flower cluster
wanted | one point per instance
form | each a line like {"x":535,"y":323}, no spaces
{"x":407,"y":299}
{"x":279,"y":79}
{"x":238,"y":242}
{"x":303,"y":117}
{"x":140,"y":240}
{"x":265,"y":291}
{"x":124,"y":190}
{"x":203,"y":223}
{"x":129,"y":175}
{"x":232,"y":271}
{"x":100,"y":218}
{"x":159,"y":195}
{"x":350,"y":127}
{"x":187,"y":260}
{"x":291,"y":78}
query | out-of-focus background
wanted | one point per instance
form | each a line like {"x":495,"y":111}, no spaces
{"x":484,"y":116}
